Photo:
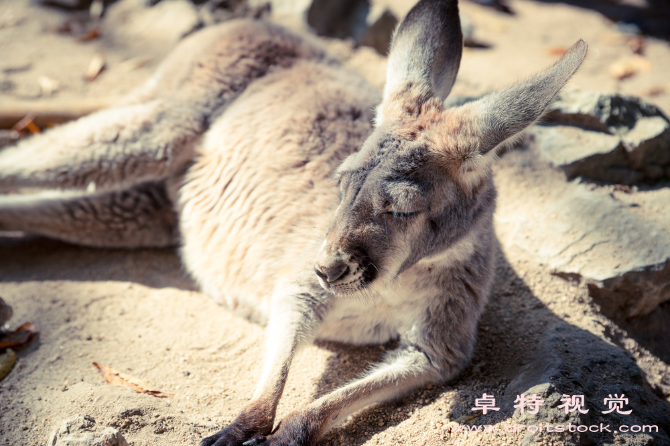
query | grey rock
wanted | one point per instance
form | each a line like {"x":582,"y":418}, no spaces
{"x":380,"y":26}
{"x":5,"y":312}
{"x":605,"y":112}
{"x":368,"y":23}
{"x":588,"y":234}
{"x":82,"y":431}
{"x":340,"y":19}
{"x":570,"y":361}
{"x":608,"y":138}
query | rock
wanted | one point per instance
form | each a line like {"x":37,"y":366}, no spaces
{"x":571,"y":361}
{"x":609,"y":138}
{"x":380,"y":26}
{"x":5,"y":312}
{"x":82,"y":431}
{"x":341,"y":19}
{"x":585,"y":153}
{"x":586,"y":233}
{"x":368,"y":22}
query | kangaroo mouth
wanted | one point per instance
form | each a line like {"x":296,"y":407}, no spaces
{"x":356,"y":281}
{"x":348,"y":288}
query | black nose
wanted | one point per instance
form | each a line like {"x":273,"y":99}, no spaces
{"x":332,"y":273}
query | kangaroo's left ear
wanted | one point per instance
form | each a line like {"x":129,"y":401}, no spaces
{"x":459,"y":138}
{"x":501,"y":115}
{"x":425,"y":52}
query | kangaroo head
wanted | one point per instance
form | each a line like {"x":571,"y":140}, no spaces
{"x":422,"y":180}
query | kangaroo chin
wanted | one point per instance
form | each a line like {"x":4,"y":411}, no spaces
{"x":301,"y":197}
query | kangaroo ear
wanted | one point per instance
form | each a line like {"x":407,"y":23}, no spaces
{"x":501,"y":115}
{"x":464,"y":135}
{"x":425,"y":51}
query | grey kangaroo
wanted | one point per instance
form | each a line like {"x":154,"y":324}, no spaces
{"x":301,"y":197}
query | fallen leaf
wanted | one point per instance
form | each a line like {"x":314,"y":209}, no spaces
{"x":623,"y":68}
{"x":121,"y":379}
{"x":95,"y":67}
{"x":557,"y":50}
{"x":7,"y":361}
{"x":26,"y":123}
{"x":656,"y":90}
{"x":17,"y":337}
{"x":90,"y":34}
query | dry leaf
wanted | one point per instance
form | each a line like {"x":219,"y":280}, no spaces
{"x":557,"y":50}
{"x":624,"y":68}
{"x":90,"y":34}
{"x":7,"y":361}
{"x":95,"y":67}
{"x":17,"y":337}
{"x":121,"y":379}
{"x":26,"y":124}
{"x":656,"y":90}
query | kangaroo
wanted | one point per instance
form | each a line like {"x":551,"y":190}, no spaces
{"x":301,"y":197}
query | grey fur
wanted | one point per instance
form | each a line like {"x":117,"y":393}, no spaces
{"x":241,"y":133}
{"x":427,"y":48}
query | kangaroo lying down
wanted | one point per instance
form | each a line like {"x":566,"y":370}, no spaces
{"x":297,"y":203}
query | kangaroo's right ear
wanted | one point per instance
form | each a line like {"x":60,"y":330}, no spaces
{"x":425,"y":53}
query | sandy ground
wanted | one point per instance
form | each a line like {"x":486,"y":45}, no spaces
{"x":138,"y":312}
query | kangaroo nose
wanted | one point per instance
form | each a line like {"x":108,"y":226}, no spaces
{"x":331,"y":273}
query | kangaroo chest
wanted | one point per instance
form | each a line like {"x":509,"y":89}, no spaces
{"x":380,"y":315}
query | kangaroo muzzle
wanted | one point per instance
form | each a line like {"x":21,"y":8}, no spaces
{"x":334,"y":267}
